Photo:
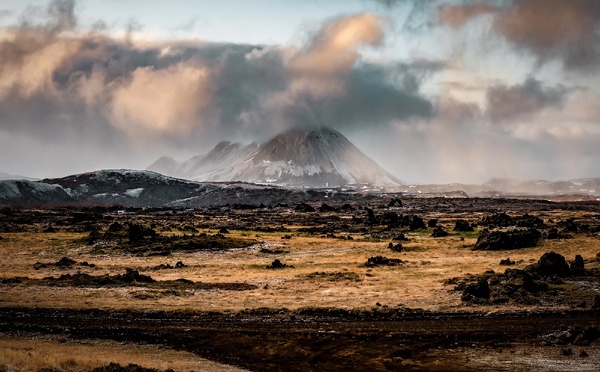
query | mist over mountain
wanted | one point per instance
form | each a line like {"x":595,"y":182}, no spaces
{"x":316,"y":157}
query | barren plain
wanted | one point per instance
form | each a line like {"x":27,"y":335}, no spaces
{"x":382,"y":282}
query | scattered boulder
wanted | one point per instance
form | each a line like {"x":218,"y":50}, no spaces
{"x":432,"y":223}
{"x":190,"y":229}
{"x":479,"y":290}
{"x":498,"y":219}
{"x":347,"y":207}
{"x":276,"y":264}
{"x":65,"y":262}
{"x":439,"y":232}
{"x":583,"y":354}
{"x":513,"y":239}
{"x":413,"y":222}
{"x":516,"y":278}
{"x":551,"y":264}
{"x":528,"y":220}
{"x":115,"y":227}
{"x":327,"y":208}
{"x":115,"y":367}
{"x":49,"y":229}
{"x":396,"y":202}
{"x":553,"y":233}
{"x":303,"y":207}
{"x":577,"y":266}
{"x":507,"y":262}
{"x":223,"y":230}
{"x":370,"y":215}
{"x":382,"y":261}
{"x":566,"y":351}
{"x":596,"y":304}
{"x":391,"y":219}
{"x":133,"y":276}
{"x":569,"y":225}
{"x":400,"y":237}
{"x":396,"y":248}
{"x":286,"y":236}
{"x":137,"y":234}
{"x":462,"y":225}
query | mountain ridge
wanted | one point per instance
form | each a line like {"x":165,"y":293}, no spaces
{"x":315,"y":157}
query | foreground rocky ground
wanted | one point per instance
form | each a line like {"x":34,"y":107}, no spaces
{"x":378,"y":282}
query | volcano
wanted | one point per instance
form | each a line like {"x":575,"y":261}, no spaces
{"x":318,"y":157}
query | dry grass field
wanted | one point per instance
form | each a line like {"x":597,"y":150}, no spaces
{"x":323,"y":270}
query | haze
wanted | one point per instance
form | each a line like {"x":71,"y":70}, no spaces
{"x":434,"y":91}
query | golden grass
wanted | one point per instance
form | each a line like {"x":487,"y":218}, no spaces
{"x":416,"y":283}
{"x":33,"y":354}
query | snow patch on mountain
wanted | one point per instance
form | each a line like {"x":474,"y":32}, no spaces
{"x":134,"y":193}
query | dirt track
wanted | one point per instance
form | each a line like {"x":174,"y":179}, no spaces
{"x":312,"y":340}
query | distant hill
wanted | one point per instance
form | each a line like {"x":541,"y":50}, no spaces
{"x":508,"y":187}
{"x":130,"y":188}
{"x":7,"y":176}
{"x":319,"y":157}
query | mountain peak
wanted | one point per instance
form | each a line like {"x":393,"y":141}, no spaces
{"x":306,"y":157}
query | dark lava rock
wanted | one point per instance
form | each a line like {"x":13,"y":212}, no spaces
{"x":498,"y":219}
{"x":480,"y":289}
{"x":589,"y":335}
{"x":303,"y":207}
{"x":522,"y":279}
{"x":276,"y":264}
{"x":507,"y":262}
{"x":400,"y":237}
{"x":137,"y":234}
{"x":391,"y":219}
{"x":1,"y":238}
{"x":528,"y":220}
{"x":439,"y":232}
{"x":347,"y":207}
{"x":395,"y":203}
{"x":554,"y":234}
{"x":583,"y":354}
{"x":413,"y":222}
{"x":327,"y":208}
{"x":577,"y":266}
{"x":550,"y":264}
{"x":65,"y":262}
{"x":133,"y":276}
{"x":223,"y":230}
{"x":522,"y":297}
{"x":432,"y":223}
{"x":566,"y":351}
{"x":462,"y":225}
{"x":569,"y":225}
{"x":115,"y":367}
{"x":382,"y":261}
{"x":49,"y":229}
{"x":115,"y":227}
{"x":179,"y":264}
{"x":500,"y":240}
{"x":596,"y":304}
{"x":396,"y":248}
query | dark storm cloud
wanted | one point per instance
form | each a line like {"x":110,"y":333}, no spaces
{"x":70,"y":87}
{"x":506,"y":103}
{"x":371,"y":99}
{"x":550,"y":29}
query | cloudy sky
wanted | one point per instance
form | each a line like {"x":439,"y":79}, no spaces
{"x":435,"y":91}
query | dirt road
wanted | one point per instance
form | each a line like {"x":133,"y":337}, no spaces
{"x":318,"y":339}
